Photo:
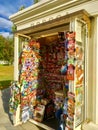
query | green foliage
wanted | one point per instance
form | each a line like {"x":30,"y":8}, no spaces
{"x":21,"y":8}
{"x":6,"y":49}
{"x":36,"y":1}
{"x":14,"y":28}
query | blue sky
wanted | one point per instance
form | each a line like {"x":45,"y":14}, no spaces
{"x":7,"y":8}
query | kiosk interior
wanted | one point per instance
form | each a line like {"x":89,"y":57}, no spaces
{"x":51,"y":77}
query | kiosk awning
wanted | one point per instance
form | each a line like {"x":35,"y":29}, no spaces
{"x":54,"y":25}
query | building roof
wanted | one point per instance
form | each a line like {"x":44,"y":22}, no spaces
{"x":45,"y":14}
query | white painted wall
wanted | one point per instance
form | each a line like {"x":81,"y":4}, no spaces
{"x":16,"y":42}
{"x":92,"y":86}
{"x":96,"y":74}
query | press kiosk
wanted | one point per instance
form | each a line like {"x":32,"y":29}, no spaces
{"x":50,"y":70}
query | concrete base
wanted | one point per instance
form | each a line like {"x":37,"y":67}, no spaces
{"x":90,"y":126}
{"x":78,"y":128}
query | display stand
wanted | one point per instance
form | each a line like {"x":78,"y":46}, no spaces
{"x":76,"y":68}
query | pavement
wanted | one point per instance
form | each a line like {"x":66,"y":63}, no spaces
{"x":5,"y":122}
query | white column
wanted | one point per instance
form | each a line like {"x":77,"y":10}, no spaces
{"x":94,"y":75}
{"x":96,"y":90}
{"x":16,"y":42}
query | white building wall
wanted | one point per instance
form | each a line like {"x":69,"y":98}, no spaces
{"x":16,"y":43}
{"x":96,"y":74}
{"x":92,"y":100}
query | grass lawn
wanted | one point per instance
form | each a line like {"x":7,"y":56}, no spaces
{"x":6,"y":76}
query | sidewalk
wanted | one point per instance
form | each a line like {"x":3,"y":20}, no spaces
{"x":5,"y":123}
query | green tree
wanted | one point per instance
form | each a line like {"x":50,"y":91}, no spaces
{"x":21,"y":8}
{"x":36,"y":1}
{"x":6,"y":49}
{"x":10,"y":51}
{"x":2,"y":41}
{"x":14,"y":28}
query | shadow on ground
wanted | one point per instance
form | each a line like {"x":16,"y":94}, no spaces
{"x":5,"y":100}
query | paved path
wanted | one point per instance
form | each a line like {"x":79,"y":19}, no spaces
{"x":5,"y":123}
